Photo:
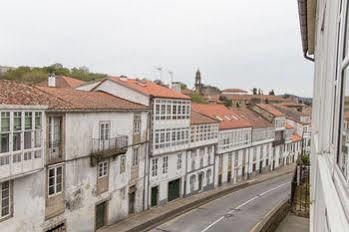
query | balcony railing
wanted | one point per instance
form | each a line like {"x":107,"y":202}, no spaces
{"x":278,"y":142}
{"x":106,"y":148}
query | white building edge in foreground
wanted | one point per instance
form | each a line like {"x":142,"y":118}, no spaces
{"x":325,"y":36}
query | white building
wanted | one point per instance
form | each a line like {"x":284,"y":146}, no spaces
{"x":96,"y":153}
{"x":200,"y":158}
{"x":169,"y":130}
{"x":234,"y":138}
{"x":22,"y":156}
{"x":278,"y":119}
{"x":261,"y":149}
{"x":324,"y":27}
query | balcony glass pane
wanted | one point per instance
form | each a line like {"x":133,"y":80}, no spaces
{"x":342,"y":158}
{"x":5,"y":121}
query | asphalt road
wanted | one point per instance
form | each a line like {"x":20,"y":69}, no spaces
{"x":237,"y":212}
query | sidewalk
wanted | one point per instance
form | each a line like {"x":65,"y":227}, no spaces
{"x":293,"y":223}
{"x":155,"y":216}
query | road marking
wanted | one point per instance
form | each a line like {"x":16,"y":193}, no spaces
{"x":245,"y":203}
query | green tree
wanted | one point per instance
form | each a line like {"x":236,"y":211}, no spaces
{"x":197,"y":98}
{"x":272,"y":92}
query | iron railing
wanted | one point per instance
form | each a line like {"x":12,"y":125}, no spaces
{"x":300,"y":191}
{"x":102,"y":145}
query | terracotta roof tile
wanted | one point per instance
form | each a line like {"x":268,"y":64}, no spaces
{"x":98,"y":101}
{"x":16,"y":93}
{"x":197,"y":118}
{"x":63,"y":82}
{"x":256,"y":120}
{"x":270,"y":109}
{"x":228,"y":118}
{"x":296,"y":137}
{"x":149,"y":88}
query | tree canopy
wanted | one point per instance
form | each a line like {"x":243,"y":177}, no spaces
{"x":37,"y":74}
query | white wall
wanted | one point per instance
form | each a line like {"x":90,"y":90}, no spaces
{"x":124,"y":92}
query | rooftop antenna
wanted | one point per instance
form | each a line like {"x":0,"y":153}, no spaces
{"x":171,"y":77}
{"x":159,"y":69}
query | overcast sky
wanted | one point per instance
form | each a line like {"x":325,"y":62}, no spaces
{"x":241,"y":44}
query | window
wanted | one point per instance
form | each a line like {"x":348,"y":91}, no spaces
{"x":135,"y":156}
{"x":17,"y":158}
{"x":37,"y":154}
{"x":137,"y":124}
{"x":208,"y":158}
{"x":55,"y":125}
{"x":27,"y":139}
{"x":154,"y":167}
{"x":38,"y":120}
{"x":5,"y":199}
{"x":208,"y":176}
{"x":4,"y":160}
{"x":17,"y":121}
{"x":5,"y":132}
{"x":102,"y":169}
{"x":104,"y":130}
{"x":16,"y":141}
{"x":28,"y":126}
{"x":27,"y":156}
{"x":122,"y":164}
{"x":165,"y":164}
{"x":179,"y":161}
{"x":55,"y":180}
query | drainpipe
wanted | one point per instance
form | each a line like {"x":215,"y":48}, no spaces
{"x":150,"y":143}
{"x":186,"y":174}
{"x":145,"y":164}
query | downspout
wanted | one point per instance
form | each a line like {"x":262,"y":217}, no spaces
{"x":150,"y":143}
{"x":145,"y":164}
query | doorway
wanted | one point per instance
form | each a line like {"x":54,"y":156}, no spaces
{"x":131,"y":202}
{"x":154,"y":196}
{"x":260,"y":166}
{"x":229,"y":176}
{"x":100,"y":214}
{"x":173,"y":189}
{"x":201,"y":176}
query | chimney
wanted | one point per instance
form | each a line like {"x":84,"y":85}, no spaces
{"x":51,"y":80}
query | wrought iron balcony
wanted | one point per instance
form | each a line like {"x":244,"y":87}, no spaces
{"x":106,"y":148}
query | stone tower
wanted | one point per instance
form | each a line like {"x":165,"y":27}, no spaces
{"x":198,"y":85}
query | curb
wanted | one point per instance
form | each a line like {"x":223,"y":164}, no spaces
{"x":151,"y":224}
{"x":272,"y":219}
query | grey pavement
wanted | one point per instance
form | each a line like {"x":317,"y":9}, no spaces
{"x":293,"y":223}
{"x":238,"y":211}
{"x":156,"y":215}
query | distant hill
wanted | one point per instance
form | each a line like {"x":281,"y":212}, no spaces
{"x":304,"y":100}
{"x":38,"y":74}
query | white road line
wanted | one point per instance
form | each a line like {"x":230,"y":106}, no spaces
{"x":245,"y":203}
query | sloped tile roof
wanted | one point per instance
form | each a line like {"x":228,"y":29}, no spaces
{"x":197,"y":118}
{"x":149,"y":88}
{"x":228,"y":118}
{"x":63,"y":82}
{"x":85,"y":100}
{"x":270,"y":109}
{"x":256,"y":120}
{"x":16,"y":93}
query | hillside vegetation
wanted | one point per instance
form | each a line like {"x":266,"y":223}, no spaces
{"x":37,"y":74}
